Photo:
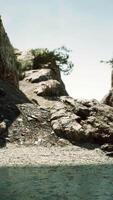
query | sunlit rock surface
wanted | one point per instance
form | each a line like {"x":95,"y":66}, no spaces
{"x":82,"y":121}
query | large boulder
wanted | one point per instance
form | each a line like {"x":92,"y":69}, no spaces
{"x":82,"y":121}
{"x":50,"y":88}
{"x":46,"y":81}
{"x":39,"y":75}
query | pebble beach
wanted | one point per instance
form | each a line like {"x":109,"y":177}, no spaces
{"x":15,"y":155}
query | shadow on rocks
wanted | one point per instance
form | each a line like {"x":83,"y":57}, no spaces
{"x":10,"y":97}
{"x":83,"y":145}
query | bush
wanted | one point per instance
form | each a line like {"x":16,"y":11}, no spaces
{"x":59,"y":56}
{"x":35,"y":58}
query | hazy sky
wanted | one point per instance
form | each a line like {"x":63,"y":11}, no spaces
{"x":85,"y":26}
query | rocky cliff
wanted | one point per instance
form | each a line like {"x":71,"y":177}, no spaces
{"x":7,"y":58}
{"x":42,"y":113}
{"x":43,"y":119}
{"x":30,"y":117}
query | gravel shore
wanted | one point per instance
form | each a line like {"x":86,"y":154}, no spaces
{"x":13,"y":155}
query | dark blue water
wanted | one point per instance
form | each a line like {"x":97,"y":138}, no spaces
{"x":89,"y":182}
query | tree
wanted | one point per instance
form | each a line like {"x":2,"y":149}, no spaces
{"x":36,"y":58}
{"x":60,"y":56}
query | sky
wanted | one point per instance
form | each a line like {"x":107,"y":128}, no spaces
{"x":84,"y":26}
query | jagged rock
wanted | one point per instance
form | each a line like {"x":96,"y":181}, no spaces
{"x":37,"y":76}
{"x":107,"y":147}
{"x":109,"y":154}
{"x":50,"y":88}
{"x":76,"y":121}
{"x":45,"y":81}
{"x":61,"y":117}
{"x":8,"y":60}
{"x":82,"y":121}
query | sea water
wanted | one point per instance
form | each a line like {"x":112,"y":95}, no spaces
{"x":68,"y":182}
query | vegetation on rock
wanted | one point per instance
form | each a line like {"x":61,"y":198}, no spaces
{"x":35,"y":58}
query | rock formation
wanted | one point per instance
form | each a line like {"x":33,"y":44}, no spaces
{"x":7,"y":58}
{"x":82,"y":121}
{"x":42,"y":113}
{"x":77,"y":121}
{"x":47,"y":81}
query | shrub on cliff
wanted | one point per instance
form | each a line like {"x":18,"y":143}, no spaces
{"x":35,"y":58}
{"x":59,"y":56}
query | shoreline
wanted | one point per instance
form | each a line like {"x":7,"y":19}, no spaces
{"x":15,"y":155}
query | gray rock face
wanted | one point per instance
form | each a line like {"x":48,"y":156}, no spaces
{"x":107,"y":147}
{"x":82,"y":121}
{"x":47,"y":81}
{"x":26,"y":122}
{"x":50,"y":88}
{"x":37,"y":76}
{"x":65,"y":117}
{"x":77,"y":121}
{"x":8,"y":61}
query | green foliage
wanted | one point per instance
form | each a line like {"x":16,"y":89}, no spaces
{"x":58,"y":56}
{"x":36,"y":58}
